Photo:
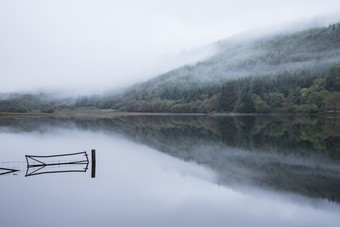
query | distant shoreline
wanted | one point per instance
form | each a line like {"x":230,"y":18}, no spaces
{"x":112,"y":113}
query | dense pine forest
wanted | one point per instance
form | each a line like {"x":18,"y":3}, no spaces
{"x":287,"y":73}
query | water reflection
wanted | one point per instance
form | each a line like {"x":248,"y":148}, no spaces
{"x":36,"y":164}
{"x":184,"y":171}
{"x":294,"y":154}
{"x":59,"y":163}
{"x":4,"y":171}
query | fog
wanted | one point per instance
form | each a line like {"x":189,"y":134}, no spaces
{"x":94,"y":46}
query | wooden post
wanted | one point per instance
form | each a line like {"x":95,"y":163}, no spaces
{"x":93,"y":156}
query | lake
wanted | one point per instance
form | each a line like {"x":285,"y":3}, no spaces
{"x":171,"y":171}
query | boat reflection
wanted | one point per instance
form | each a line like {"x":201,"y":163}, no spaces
{"x":60,"y":163}
{"x":4,"y":171}
{"x":56,"y":163}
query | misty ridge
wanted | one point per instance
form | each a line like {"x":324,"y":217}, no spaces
{"x":313,"y":49}
{"x":262,"y":75}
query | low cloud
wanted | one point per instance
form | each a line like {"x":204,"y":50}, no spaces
{"x":90,"y":47}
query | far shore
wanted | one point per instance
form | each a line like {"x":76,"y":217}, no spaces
{"x":113,"y":113}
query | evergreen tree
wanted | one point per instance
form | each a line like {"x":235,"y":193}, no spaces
{"x":333,"y":78}
{"x":228,"y":96}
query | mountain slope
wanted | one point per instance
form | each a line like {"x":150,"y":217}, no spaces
{"x":305,"y":55}
{"x":296,"y":72}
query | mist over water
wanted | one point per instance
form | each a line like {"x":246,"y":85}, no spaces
{"x":174,"y":171}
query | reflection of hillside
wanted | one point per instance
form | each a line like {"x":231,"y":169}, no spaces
{"x":313,"y":176}
{"x":293,"y":154}
{"x":287,"y":154}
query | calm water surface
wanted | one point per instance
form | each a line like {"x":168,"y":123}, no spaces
{"x":174,"y":171}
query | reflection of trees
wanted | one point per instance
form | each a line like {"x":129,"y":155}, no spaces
{"x":316,"y":134}
{"x":285,"y":153}
{"x":227,"y":127}
{"x":302,"y":135}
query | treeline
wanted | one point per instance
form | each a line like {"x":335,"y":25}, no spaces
{"x":23,"y":103}
{"x":305,"y":92}
{"x":300,"y":92}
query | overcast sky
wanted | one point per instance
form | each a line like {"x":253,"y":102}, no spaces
{"x":91,"y":46}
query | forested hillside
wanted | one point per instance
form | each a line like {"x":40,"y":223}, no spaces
{"x":293,"y":73}
{"x":262,"y":75}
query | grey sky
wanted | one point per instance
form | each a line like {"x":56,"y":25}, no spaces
{"x":92,"y":46}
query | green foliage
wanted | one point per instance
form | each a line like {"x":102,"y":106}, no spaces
{"x":318,"y":85}
{"x":277,"y":93}
{"x":257,"y":86}
{"x":260,"y":105}
{"x":333,"y":78}
{"x":245,"y":104}
{"x":316,"y":95}
{"x":275,"y":69}
{"x":318,"y":99}
{"x":23,"y":103}
{"x":7,"y":106}
{"x":229,"y":96}
{"x":47,"y":109}
{"x":275,"y":99}
{"x":333,"y":101}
